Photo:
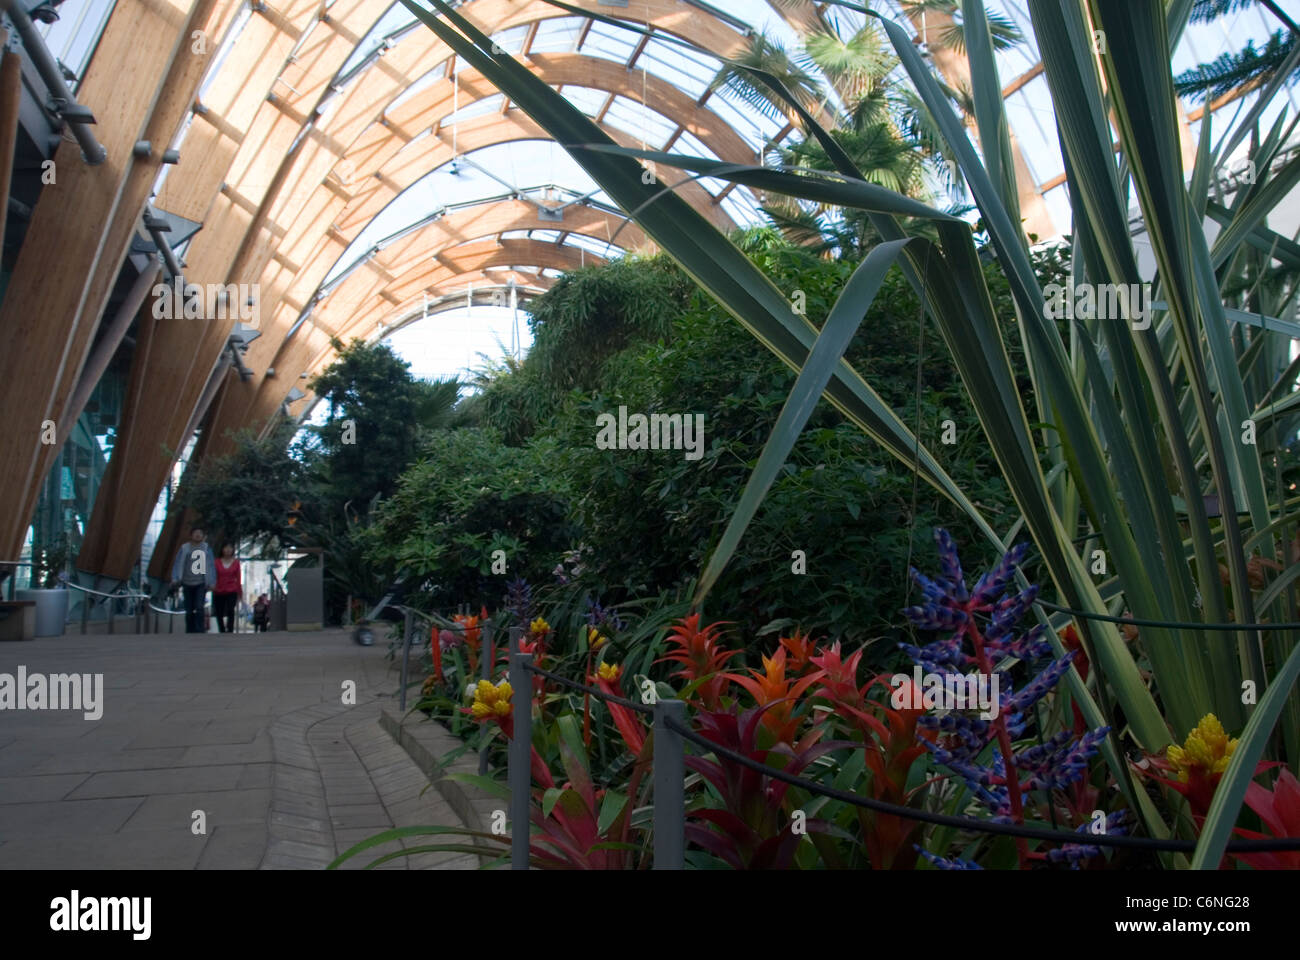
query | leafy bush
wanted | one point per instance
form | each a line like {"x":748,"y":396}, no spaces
{"x":469,"y":495}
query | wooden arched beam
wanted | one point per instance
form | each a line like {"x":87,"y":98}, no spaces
{"x":376,"y":284}
{"x":386,"y":162}
{"x":234,"y":155}
{"x":251,"y":164}
{"x":80,"y":230}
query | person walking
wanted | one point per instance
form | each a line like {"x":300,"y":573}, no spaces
{"x":261,"y":613}
{"x":225,"y":595}
{"x":195,"y":571}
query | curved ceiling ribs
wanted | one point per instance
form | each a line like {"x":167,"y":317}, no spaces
{"x":285,"y":180}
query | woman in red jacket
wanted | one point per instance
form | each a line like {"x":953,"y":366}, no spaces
{"x":225,"y":596}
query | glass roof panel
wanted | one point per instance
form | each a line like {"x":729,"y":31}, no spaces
{"x":72,"y":38}
{"x":689,"y":71}
{"x":557,"y":35}
{"x":692,"y":146}
{"x":586,"y":99}
{"x":517,"y":167}
{"x":609,"y":43}
{"x":511,"y":40}
{"x":1058,"y":205}
{"x":590,"y":244}
{"x":396,"y":18}
{"x":641,"y":122}
{"x":741,"y":206}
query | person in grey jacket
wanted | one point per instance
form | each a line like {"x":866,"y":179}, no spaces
{"x":195,"y":569}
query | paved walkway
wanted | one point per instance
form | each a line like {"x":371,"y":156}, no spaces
{"x":250,"y":729}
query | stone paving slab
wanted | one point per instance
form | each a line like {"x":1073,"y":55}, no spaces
{"x":251,"y":730}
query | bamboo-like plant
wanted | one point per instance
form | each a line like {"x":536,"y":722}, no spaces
{"x":1136,"y":426}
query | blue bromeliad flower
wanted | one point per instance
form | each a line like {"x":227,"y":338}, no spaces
{"x":519,"y":601}
{"x":979,"y":628}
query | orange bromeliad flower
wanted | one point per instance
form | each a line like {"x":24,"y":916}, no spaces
{"x":771,"y":686}
{"x":800,"y":649}
{"x":470,"y":626}
{"x":701,"y":655}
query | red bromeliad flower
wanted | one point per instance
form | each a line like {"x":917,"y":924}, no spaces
{"x":890,"y":748}
{"x":606,"y":679}
{"x":771,"y":686}
{"x":1279,"y":808}
{"x":435,"y":648}
{"x":701,"y":656}
{"x":753,"y":829}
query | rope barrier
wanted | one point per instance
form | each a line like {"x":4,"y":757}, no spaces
{"x":112,"y":596}
{"x":938,"y":819}
{"x":969,"y":823}
{"x":1170,"y":624}
{"x":598,"y":694}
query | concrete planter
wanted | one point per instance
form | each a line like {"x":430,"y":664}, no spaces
{"x":51,"y":610}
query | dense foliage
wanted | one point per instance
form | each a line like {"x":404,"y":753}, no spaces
{"x":634,"y":334}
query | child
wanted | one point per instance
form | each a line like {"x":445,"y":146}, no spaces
{"x":261,"y":613}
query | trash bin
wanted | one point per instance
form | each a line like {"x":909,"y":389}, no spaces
{"x":51,"y":610}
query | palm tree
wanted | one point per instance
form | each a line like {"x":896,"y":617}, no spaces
{"x":1245,"y":69}
{"x":846,"y":81}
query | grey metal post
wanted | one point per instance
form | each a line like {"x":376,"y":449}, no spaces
{"x":669,"y":786}
{"x":485,"y":671}
{"x":406,"y":650}
{"x":519,"y":770}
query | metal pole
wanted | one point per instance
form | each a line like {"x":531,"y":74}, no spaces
{"x":91,"y":149}
{"x":519,"y":771}
{"x":669,"y":787}
{"x":406,"y":649}
{"x":485,"y":671}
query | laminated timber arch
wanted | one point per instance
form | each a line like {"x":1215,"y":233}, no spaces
{"x":84,"y":222}
{"x":258,"y":169}
{"x":394,"y":275}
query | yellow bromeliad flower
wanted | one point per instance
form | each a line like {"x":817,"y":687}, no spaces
{"x":595,"y":639}
{"x":1206,"y":748}
{"x":539,"y":626}
{"x":490,"y":700}
{"x":609,"y":671}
